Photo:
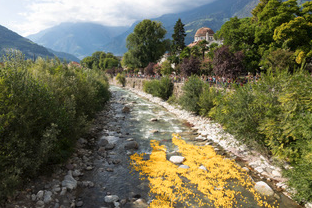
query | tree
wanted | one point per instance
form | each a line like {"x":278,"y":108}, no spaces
{"x":279,"y":59}
{"x":178,"y":37}
{"x":87,"y":62}
{"x":190,"y":67}
{"x":149,"y":70}
{"x":186,"y":53}
{"x":166,"y":68}
{"x":227,"y":64}
{"x":146,"y":44}
{"x":203,"y":47}
{"x":296,"y":35}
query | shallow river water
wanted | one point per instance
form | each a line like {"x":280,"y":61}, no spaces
{"x":114,"y":175}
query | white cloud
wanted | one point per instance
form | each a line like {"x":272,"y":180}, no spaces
{"x":42,"y":14}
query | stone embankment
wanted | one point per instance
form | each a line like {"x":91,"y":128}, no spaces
{"x":137,"y":83}
{"x":210,"y":131}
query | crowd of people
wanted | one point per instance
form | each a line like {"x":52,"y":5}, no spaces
{"x":212,"y":80}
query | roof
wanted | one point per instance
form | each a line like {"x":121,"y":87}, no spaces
{"x":202,"y":31}
{"x":192,"y":44}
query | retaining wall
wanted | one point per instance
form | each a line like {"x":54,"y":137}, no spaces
{"x":137,"y":83}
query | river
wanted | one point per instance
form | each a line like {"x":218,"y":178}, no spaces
{"x":145,"y":121}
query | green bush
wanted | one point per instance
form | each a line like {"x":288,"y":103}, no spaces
{"x":276,"y":115}
{"x":121,"y":79}
{"x":192,"y":90}
{"x":300,"y":175}
{"x":240,"y":115}
{"x":206,"y":99}
{"x":162,"y":88}
{"x":44,"y":107}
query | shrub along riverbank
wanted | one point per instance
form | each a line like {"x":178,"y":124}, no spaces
{"x":274,"y":115}
{"x":44,"y":107}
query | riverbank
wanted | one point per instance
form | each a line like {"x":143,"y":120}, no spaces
{"x":210,"y":131}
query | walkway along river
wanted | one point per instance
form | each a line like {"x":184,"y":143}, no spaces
{"x":163,"y":181}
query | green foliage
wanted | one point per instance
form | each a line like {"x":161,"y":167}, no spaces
{"x":146,"y":44}
{"x":121,"y":79}
{"x":239,"y":34}
{"x":162,"y":88}
{"x":274,"y":115}
{"x":238,"y":112}
{"x":300,"y":175}
{"x":275,"y":24}
{"x":206,"y":99}
{"x":100,"y":60}
{"x":166,"y":68}
{"x":289,"y":128}
{"x":44,"y":107}
{"x":173,"y":100}
{"x":192,"y":90}
{"x":279,"y":59}
{"x":178,"y":36}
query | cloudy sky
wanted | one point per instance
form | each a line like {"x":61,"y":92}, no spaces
{"x":31,"y":16}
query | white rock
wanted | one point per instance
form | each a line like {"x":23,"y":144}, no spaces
{"x":276,"y":173}
{"x":177,"y":159}
{"x":200,"y":138}
{"x":184,"y":166}
{"x":259,"y":169}
{"x":111,"y":198}
{"x":116,"y":204}
{"x":264,"y":189}
{"x":33,"y":197}
{"x":63,"y":192}
{"x":246,"y":169}
{"x":47,"y":197}
{"x":40,"y":195}
{"x":40,"y":203}
{"x":69,"y":182}
{"x":76,"y":173}
{"x":203,"y":168}
{"x":204,"y":133}
{"x":308,"y":205}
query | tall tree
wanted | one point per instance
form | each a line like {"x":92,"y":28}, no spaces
{"x":146,"y":44}
{"x":227,"y":64}
{"x":178,"y":37}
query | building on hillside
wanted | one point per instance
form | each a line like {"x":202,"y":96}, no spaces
{"x":204,"y":33}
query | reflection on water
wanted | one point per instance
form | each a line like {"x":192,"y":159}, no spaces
{"x":146,"y":122}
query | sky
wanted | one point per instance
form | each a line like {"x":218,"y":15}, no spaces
{"x":31,"y":16}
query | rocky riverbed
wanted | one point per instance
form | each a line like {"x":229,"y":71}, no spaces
{"x":97,"y":175}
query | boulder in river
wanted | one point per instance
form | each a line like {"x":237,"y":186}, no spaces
{"x":69,"y":182}
{"x":111,"y":198}
{"x":103,"y":142}
{"x":154,"y":119}
{"x":154,"y":131}
{"x":177,"y":159}
{"x":47,"y":197}
{"x":264,"y":189}
{"x":110,"y":146}
{"x":126,"y":109}
{"x":131,"y":145}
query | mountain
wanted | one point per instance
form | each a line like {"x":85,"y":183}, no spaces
{"x":64,"y":56}
{"x":212,"y":15}
{"x":10,"y":40}
{"x":80,"y":39}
